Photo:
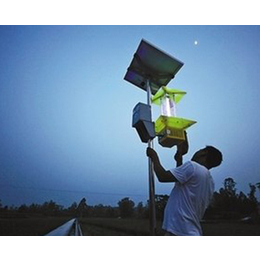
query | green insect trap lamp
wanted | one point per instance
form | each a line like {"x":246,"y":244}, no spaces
{"x":168,"y":127}
{"x":151,"y":70}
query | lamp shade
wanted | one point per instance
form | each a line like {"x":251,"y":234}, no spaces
{"x":174,"y":94}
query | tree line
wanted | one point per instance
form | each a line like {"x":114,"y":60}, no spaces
{"x":227,"y":203}
{"x":126,"y":209}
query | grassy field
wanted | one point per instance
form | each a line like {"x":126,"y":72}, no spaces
{"x":140,"y":227}
{"x":38,"y":226}
{"x":30,"y":226}
{"x":230,"y":229}
{"x":119,"y":227}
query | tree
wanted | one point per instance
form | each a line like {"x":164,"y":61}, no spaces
{"x":160,"y":204}
{"x":229,"y":186}
{"x":126,"y":207}
{"x":251,"y":194}
{"x":140,"y":210}
{"x":82,"y":208}
{"x":111,"y":212}
{"x":99,"y":211}
{"x":228,"y":204}
{"x":258,"y":186}
{"x":23,"y":208}
{"x":51,"y":208}
{"x":2,"y":208}
{"x":73,"y":208}
{"x":35,"y":208}
{"x":252,"y":198}
{"x":225,"y":202}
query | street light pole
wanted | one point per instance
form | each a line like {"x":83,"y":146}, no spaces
{"x":152,"y":214}
{"x":149,"y":70}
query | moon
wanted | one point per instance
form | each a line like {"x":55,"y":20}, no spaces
{"x":196,"y":42}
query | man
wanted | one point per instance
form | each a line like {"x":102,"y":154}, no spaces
{"x":193,"y":188}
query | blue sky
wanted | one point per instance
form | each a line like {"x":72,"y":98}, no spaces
{"x":66,"y":112}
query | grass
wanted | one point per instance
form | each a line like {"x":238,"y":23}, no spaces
{"x":31,"y":226}
{"x":230,"y":229}
{"x":113,"y":226}
{"x":38,"y":226}
{"x":140,"y":227}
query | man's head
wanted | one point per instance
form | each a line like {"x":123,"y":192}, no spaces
{"x":209,"y":157}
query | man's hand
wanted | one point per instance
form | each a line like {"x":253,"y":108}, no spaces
{"x":161,"y":173}
{"x":182,"y":149}
{"x":151,"y":153}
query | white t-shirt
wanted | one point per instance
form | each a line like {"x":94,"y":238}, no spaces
{"x":188,"y":199}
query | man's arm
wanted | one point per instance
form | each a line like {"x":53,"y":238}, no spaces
{"x":182,"y":149}
{"x":161,"y":173}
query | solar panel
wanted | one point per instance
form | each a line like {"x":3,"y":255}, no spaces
{"x":151,"y":63}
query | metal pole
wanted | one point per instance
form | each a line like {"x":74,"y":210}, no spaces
{"x":151,"y":175}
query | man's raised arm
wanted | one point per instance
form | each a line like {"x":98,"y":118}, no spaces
{"x":161,"y":173}
{"x":182,"y":149}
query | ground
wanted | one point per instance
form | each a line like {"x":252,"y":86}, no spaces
{"x":105,"y":226}
{"x":30,"y":226}
{"x":38,"y":226}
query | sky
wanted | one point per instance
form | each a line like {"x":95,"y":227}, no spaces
{"x":66,"y":111}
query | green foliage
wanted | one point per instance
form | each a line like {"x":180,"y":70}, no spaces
{"x":160,"y":204}
{"x":126,"y":207}
{"x":82,"y":209}
{"x":230,"y":186}
{"x":227,"y":204}
{"x":140,"y":210}
{"x":73,"y":209}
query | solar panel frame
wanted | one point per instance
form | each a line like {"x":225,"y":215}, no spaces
{"x":151,"y":63}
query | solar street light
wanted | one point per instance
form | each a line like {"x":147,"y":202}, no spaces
{"x":150,"y":69}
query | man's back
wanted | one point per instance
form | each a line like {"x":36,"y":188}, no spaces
{"x":188,"y":200}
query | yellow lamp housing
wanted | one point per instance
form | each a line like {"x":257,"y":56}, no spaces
{"x":169,"y":128}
